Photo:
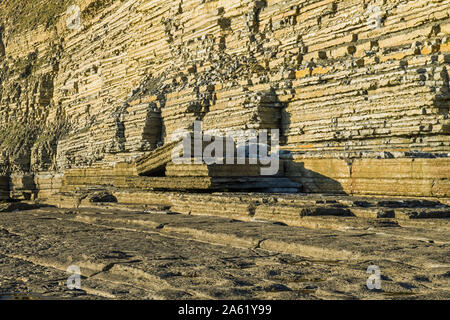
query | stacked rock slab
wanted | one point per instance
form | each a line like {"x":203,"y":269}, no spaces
{"x":156,"y":161}
{"x":215,"y":170}
{"x":158,"y":171}
{"x":359,"y":89}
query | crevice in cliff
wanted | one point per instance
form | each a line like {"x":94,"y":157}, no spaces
{"x":2,"y":45}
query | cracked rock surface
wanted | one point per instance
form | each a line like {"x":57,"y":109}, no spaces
{"x":135,"y":255}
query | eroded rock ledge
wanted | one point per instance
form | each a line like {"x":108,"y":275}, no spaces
{"x":361,"y":108}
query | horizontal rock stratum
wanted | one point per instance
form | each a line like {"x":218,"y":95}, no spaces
{"x":359,"y":90}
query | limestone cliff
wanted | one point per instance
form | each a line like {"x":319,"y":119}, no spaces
{"x":358,"y":88}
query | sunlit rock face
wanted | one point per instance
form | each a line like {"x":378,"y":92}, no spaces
{"x":359,"y":90}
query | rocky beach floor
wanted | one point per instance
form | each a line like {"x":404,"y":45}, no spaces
{"x":126,"y":254}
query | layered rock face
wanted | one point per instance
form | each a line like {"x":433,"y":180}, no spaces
{"x":358,"y":89}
